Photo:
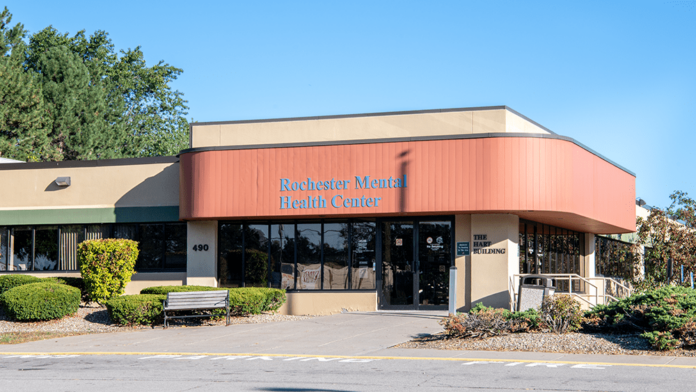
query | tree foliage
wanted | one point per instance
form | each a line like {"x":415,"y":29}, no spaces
{"x":75,"y":97}
{"x":669,"y":233}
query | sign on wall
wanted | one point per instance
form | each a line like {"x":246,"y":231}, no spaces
{"x":335,"y":199}
{"x":463,"y":248}
{"x":482,"y":246}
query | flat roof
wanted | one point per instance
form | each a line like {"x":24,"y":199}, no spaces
{"x":377,"y":114}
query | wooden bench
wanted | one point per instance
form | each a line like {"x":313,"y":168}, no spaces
{"x":196,"y":300}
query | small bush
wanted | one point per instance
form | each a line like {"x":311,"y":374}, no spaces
{"x":561,"y":313}
{"x":529,"y":320}
{"x":8,"y":282}
{"x":139,"y":309}
{"x":163,"y":290}
{"x":41,"y":301}
{"x":243,"y":300}
{"x":482,"y":324}
{"x":77,"y":283}
{"x":666,"y":316}
{"x":106,"y":266}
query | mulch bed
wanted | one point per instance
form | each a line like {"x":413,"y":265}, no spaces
{"x":571,"y":343}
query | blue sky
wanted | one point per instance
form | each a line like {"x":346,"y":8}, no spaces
{"x":617,"y":76}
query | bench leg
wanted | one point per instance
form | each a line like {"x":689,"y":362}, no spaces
{"x":165,"y":319}
{"x":228,"y":315}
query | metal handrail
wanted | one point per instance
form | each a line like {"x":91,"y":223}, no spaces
{"x":628,"y":291}
{"x":570,"y":278}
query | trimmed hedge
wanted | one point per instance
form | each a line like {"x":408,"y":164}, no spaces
{"x":77,"y":283}
{"x":243,"y":300}
{"x":8,"y":282}
{"x":143,"y":309}
{"x":163,"y":290}
{"x":106,"y":265}
{"x":41,"y":301}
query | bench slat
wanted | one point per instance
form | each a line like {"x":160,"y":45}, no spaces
{"x":202,"y":303}
{"x":193,"y":308}
{"x":170,"y":300}
{"x":221,"y":293}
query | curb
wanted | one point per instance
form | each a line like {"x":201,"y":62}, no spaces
{"x":355,"y":357}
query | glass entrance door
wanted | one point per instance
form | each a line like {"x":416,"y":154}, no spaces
{"x":434,"y":261}
{"x":416,"y":256}
{"x":398,"y":283}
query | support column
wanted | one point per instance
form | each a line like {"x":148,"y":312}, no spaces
{"x":462,"y":232}
{"x":201,"y":265}
{"x":494,"y":258}
{"x":590,"y":264}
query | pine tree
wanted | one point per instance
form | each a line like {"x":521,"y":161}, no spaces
{"x":23,"y":122}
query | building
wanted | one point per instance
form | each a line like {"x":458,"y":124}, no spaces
{"x":355,"y":212}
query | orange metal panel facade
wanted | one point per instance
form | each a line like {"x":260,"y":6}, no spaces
{"x":549,"y":180}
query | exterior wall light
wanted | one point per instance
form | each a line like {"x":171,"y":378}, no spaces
{"x":63,"y":182}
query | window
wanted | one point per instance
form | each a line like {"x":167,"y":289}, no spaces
{"x":309,"y":256}
{"x":46,"y":248}
{"x":256,"y":256}
{"x":364,"y":239}
{"x":54,"y":248}
{"x":23,"y":249}
{"x":283,"y":256}
{"x":4,"y":245}
{"x":336,"y":237}
{"x":328,"y":255}
{"x":230,"y":267}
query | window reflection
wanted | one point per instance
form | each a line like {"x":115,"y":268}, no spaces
{"x":22,"y":249}
{"x":364,"y":254}
{"x":283,"y":256}
{"x":256,"y":256}
{"x":230,"y":257}
{"x":309,"y":256}
{"x":4,"y":241}
{"x":336,"y":256}
{"x":46,"y":249}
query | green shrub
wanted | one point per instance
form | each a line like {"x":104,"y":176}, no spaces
{"x":664,"y":315}
{"x":77,"y":283}
{"x":163,"y":290}
{"x":561,"y":313}
{"x":483,"y":323}
{"x":106,"y":266}
{"x":139,"y":309}
{"x":525,"y":321}
{"x":243,"y":300}
{"x":275,"y":298}
{"x":41,"y":301}
{"x":8,"y":282}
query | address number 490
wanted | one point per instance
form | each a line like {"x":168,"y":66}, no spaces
{"x":200,"y":247}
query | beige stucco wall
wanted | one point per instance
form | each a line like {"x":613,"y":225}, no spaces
{"x":360,"y":128}
{"x":201,"y":266}
{"x":491,"y":273}
{"x":142,"y":280}
{"x":91,"y":187}
{"x":326,"y":302}
{"x":138,"y":281}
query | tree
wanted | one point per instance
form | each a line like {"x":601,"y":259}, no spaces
{"x":669,"y":234}
{"x":96,"y":102}
{"x":22,"y":124}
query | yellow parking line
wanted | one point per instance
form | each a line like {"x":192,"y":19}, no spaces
{"x":451,"y":359}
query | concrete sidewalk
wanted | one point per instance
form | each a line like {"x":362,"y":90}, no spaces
{"x":348,"y":334}
{"x":341,"y":334}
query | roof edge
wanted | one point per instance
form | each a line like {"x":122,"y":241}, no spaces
{"x":92,"y":163}
{"x":409,"y":139}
